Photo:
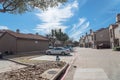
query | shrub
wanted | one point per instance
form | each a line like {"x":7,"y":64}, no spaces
{"x":8,"y":53}
{"x":116,"y":48}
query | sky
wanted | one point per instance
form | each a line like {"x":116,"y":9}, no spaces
{"x":75,"y":17}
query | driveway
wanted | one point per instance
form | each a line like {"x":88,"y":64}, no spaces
{"x":93,"y":64}
{"x":8,"y":66}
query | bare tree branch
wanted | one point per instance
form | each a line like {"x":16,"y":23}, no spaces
{"x":21,"y":6}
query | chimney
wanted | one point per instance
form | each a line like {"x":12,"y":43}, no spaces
{"x":17,"y":31}
{"x":118,"y":18}
{"x":91,"y":31}
{"x":37,"y":33}
{"x":82,"y":36}
{"x":86,"y":33}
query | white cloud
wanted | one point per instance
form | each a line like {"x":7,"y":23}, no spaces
{"x":4,"y":27}
{"x":75,"y":26}
{"x":54,"y":18}
{"x":79,"y":28}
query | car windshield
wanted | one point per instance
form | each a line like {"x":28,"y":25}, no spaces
{"x":59,"y":48}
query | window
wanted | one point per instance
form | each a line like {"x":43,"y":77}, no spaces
{"x":36,"y":42}
{"x":58,"y":48}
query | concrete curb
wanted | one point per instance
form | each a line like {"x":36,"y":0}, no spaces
{"x":55,"y":77}
{"x":61,"y":72}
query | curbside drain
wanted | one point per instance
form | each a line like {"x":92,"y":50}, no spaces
{"x":52,"y":72}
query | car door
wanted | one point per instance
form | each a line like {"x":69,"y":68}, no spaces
{"x":56,"y":51}
{"x":52,"y":51}
{"x":59,"y":50}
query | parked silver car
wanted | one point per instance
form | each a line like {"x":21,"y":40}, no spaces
{"x":58,"y":50}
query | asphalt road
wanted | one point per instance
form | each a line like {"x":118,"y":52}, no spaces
{"x":93,"y":64}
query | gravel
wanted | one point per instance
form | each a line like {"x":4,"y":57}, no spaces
{"x":31,"y":72}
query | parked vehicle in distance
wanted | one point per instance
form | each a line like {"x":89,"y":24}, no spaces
{"x":58,"y":50}
{"x":103,"y":46}
{"x":51,"y":47}
{"x":69,"y":47}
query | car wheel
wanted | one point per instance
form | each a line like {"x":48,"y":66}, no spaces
{"x":48,"y":53}
{"x":63,"y":53}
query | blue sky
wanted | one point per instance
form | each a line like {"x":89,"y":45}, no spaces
{"x":75,"y":18}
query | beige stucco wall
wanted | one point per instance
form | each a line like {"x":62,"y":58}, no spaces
{"x":111,"y":37}
{"x":7,"y":43}
{"x":24,"y":45}
{"x":102,"y":35}
{"x":90,"y":38}
{"x":86,"y":39}
{"x":93,"y":36}
{"x":117,"y":33}
{"x":81,"y":42}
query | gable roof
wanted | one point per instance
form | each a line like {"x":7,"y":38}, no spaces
{"x":26,"y":36}
{"x":1,"y":32}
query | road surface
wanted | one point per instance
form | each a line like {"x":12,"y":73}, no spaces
{"x":93,"y":64}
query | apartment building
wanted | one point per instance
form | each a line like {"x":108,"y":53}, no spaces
{"x":93,"y":38}
{"x":88,"y":40}
{"x":102,"y":39}
{"x":98,"y":39}
{"x":17,"y":42}
{"x":114,"y":31}
{"x":82,"y":41}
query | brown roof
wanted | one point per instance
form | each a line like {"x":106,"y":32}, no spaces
{"x":26,"y":36}
{"x":102,"y":29}
{"x":1,"y":32}
{"x":114,"y":25}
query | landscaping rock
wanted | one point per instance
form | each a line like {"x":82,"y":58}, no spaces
{"x":31,"y":72}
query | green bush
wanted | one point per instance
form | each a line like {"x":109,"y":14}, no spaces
{"x":116,"y":48}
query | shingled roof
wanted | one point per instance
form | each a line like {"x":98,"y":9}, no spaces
{"x":26,"y":36}
{"x":1,"y":32}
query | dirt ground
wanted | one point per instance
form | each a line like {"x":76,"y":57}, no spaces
{"x":31,"y":72}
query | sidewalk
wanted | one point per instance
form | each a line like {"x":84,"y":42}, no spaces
{"x":9,"y":66}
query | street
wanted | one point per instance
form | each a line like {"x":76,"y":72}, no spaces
{"x":93,"y":64}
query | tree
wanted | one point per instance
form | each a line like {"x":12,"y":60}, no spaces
{"x":76,"y":43}
{"x":61,"y":36}
{"x":57,"y":34}
{"x":69,"y":42}
{"x":21,"y":6}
